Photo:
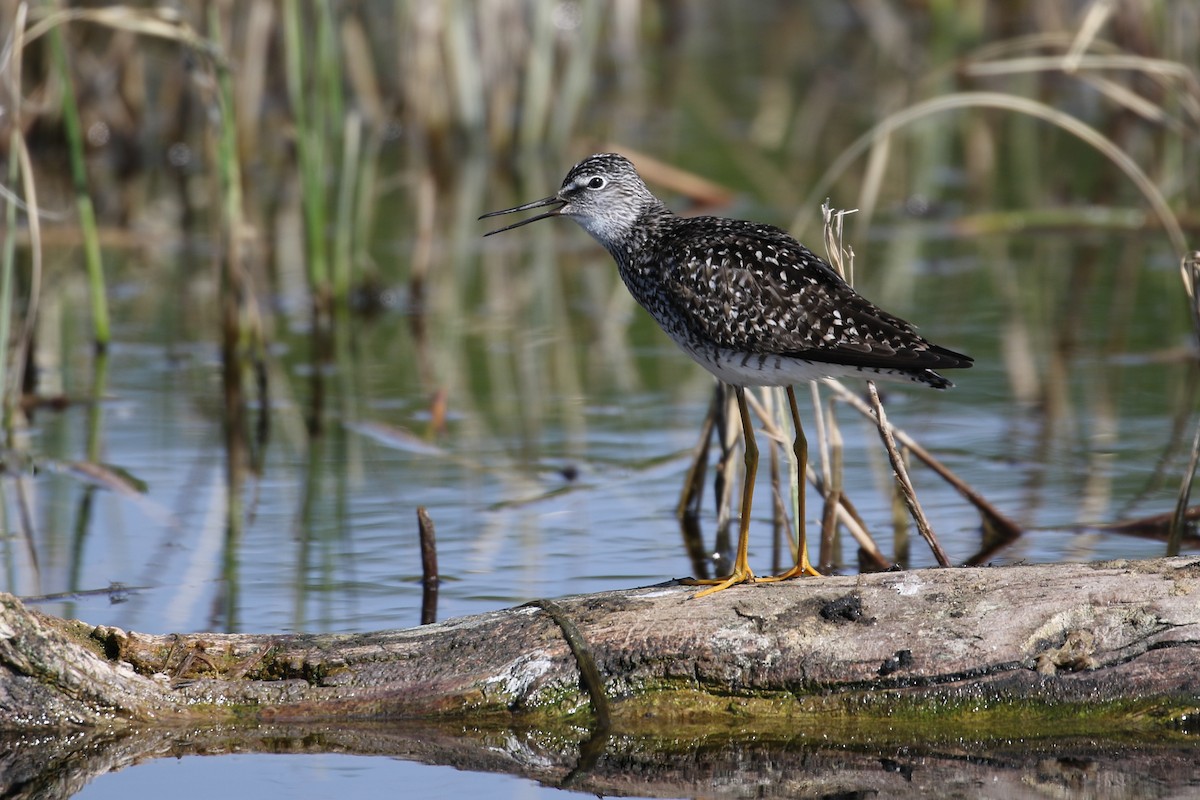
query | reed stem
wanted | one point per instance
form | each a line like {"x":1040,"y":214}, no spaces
{"x":310,"y":146}
{"x":83,"y":200}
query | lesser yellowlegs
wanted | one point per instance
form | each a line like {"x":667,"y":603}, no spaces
{"x":747,"y":302}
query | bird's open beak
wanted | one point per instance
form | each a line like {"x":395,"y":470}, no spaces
{"x":546,"y":201}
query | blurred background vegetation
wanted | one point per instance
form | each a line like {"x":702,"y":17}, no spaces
{"x":241,"y":260}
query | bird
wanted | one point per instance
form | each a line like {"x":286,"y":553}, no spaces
{"x":747,"y":302}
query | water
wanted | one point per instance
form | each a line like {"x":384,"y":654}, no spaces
{"x":308,"y":777}
{"x":569,"y":418}
{"x":577,"y":495}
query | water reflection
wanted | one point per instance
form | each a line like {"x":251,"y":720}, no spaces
{"x":628,"y":765}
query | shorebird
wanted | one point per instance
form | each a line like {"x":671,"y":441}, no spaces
{"x":748,"y":303}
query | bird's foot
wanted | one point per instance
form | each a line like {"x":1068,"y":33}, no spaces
{"x":804,"y":570}
{"x":720,"y":584}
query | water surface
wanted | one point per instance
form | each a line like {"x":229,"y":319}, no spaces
{"x":519,"y":395}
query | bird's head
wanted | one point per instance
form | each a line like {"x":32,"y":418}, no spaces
{"x":603,"y":193}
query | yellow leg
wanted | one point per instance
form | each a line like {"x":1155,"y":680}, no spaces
{"x":800,"y":448}
{"x":741,"y":562}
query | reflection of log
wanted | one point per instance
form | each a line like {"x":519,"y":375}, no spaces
{"x":766,"y":656}
{"x":723,"y":764}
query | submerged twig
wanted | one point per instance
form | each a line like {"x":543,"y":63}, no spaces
{"x":833,"y":490}
{"x":727,"y":465}
{"x":1190,"y":267}
{"x":692,"y":496}
{"x":779,"y":515}
{"x":429,"y":567}
{"x":902,"y":480}
{"x":1155,"y":526}
{"x":993,"y":515}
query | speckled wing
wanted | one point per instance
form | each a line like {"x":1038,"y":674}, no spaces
{"x":753,"y":288}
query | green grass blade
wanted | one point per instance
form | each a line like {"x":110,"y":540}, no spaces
{"x":83,"y":200}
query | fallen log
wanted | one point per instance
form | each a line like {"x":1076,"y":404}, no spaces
{"x":1122,"y":638}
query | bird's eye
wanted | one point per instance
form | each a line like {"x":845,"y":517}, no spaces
{"x":596,"y":183}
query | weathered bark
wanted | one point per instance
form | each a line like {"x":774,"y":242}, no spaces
{"x":767,"y":655}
